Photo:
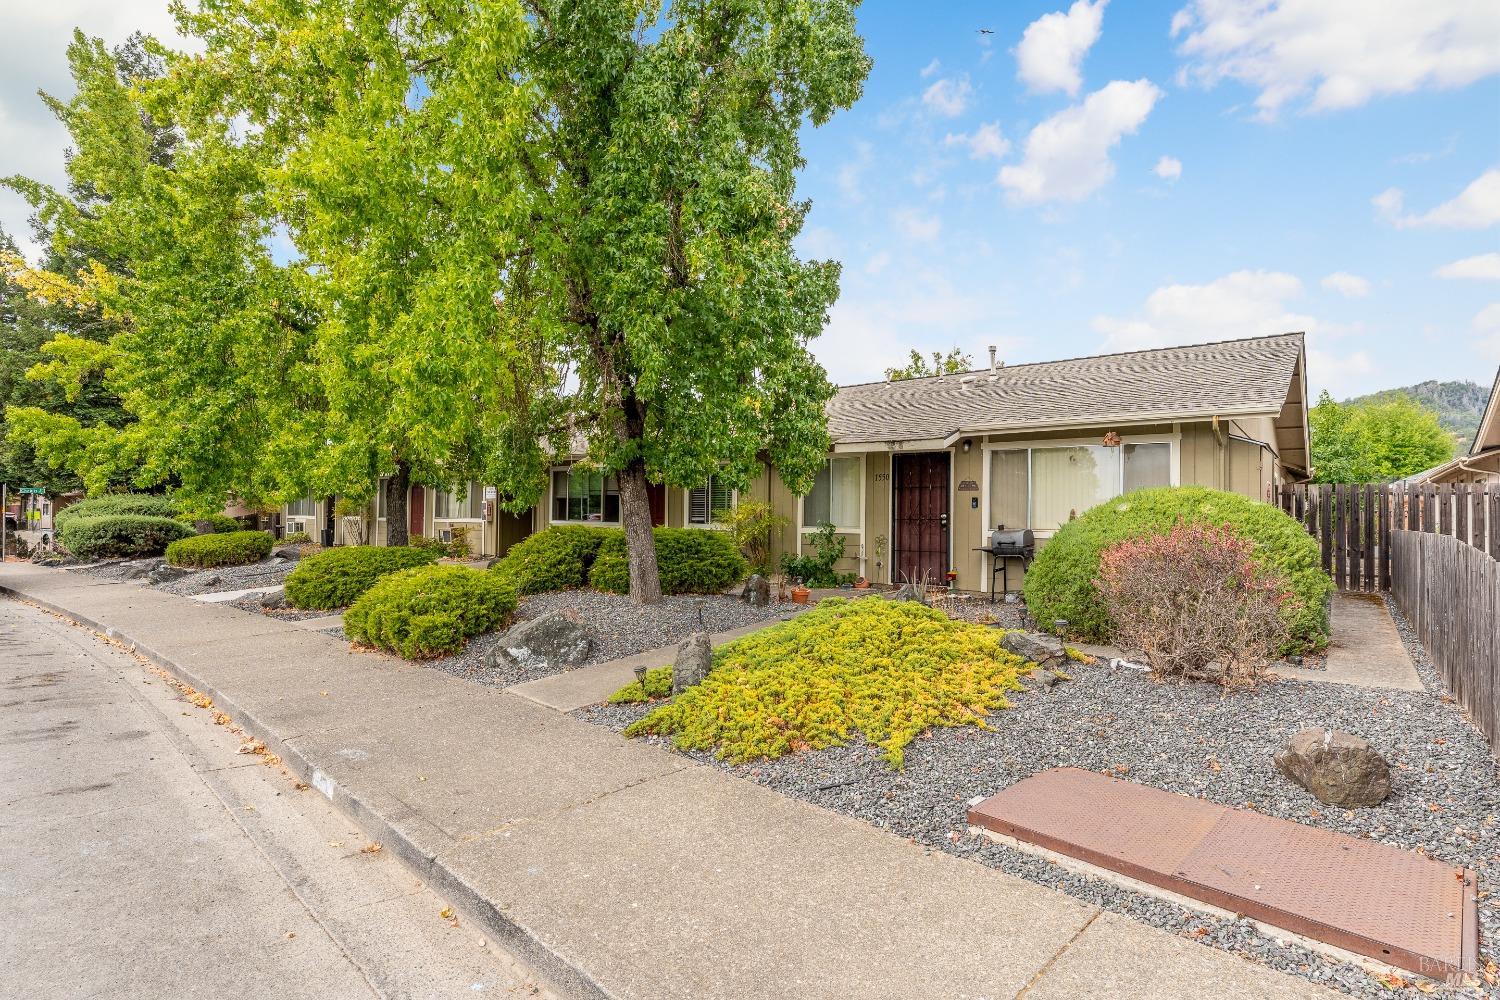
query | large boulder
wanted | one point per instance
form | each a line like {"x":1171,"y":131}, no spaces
{"x":1033,"y":647}
{"x":695,"y":657}
{"x":1339,"y":768}
{"x":141,"y":568}
{"x":548,"y":640}
{"x":757,"y":592}
{"x":166,"y":574}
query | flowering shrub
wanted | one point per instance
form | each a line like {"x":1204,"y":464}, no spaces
{"x":889,"y":669}
{"x":1193,"y":599}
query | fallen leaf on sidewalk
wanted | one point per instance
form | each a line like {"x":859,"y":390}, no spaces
{"x":447,"y":913}
{"x":370,"y":849}
{"x":335,"y":843}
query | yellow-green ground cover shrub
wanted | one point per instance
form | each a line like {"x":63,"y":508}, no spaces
{"x":557,"y":558}
{"x":690,"y":561}
{"x":232,"y":548}
{"x":1060,"y":583}
{"x":334,"y":578}
{"x":889,"y":670}
{"x":430,"y":610}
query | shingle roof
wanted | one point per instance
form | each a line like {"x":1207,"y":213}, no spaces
{"x":1171,"y":383}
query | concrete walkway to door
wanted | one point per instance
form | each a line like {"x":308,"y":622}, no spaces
{"x":1365,"y":651}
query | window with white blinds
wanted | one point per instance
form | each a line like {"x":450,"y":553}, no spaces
{"x":708,"y":500}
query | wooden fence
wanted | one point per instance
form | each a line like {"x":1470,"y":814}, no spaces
{"x":1450,"y":592}
{"x":1353,"y":522}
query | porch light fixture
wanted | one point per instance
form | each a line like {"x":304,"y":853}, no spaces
{"x":967,"y":445}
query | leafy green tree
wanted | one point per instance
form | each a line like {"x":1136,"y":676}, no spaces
{"x":955,"y":362}
{"x":158,"y":249}
{"x":1375,"y":440}
{"x":536,"y":222}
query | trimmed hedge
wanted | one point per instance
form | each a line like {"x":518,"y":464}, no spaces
{"x":690,"y":560}
{"x":232,"y":548}
{"x":336,"y":577}
{"x":115,"y":505}
{"x":557,"y":558}
{"x":1060,"y":583}
{"x":111,"y":536}
{"x":219,"y":524}
{"x":430,"y":610}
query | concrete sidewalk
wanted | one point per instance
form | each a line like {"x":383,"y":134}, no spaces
{"x":619,"y":870}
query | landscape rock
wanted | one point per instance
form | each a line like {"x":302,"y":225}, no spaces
{"x":1041,"y":677}
{"x":1033,"y":647}
{"x":166,"y":574}
{"x":289,"y":553}
{"x":1337,"y":767}
{"x":136,"y":570}
{"x":492,"y":563}
{"x":212,"y":581}
{"x":695,"y":657}
{"x":549,"y":639}
{"x":275,"y":599}
{"x":903,"y":593}
{"x":757,"y":592}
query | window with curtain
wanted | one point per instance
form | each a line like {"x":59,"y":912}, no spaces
{"x":303,"y":507}
{"x":708,"y":500}
{"x":835,"y":496}
{"x":449,"y":506}
{"x":1146,"y":465}
{"x":581,"y":495}
{"x":1010,"y":489}
{"x":1065,"y":482}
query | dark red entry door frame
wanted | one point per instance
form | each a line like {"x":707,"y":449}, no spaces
{"x":416,"y":510}
{"x":920,"y":488}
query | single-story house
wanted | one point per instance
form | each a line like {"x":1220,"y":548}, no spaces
{"x":922,"y":469}
{"x":1482,"y":463}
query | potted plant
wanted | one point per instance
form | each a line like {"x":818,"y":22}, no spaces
{"x":800,"y":593}
{"x":952,"y":577}
{"x":861,"y":584}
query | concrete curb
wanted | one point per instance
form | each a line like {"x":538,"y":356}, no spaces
{"x":563,"y":976}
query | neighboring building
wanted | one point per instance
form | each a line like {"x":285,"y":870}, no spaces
{"x":1482,"y":463}
{"x":921,"y":470}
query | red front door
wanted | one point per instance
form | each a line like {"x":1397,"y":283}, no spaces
{"x":416,"y":507}
{"x":656,"y":496}
{"x":921,"y":516}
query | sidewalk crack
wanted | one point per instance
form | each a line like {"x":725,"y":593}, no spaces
{"x":1053,"y":960}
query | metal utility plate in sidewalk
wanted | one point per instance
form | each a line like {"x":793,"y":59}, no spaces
{"x":1388,"y":904}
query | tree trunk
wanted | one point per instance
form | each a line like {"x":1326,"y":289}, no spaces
{"x":640,"y":543}
{"x":397,"y":487}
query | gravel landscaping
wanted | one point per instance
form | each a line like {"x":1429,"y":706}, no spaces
{"x":1190,"y":739}
{"x":266,"y":573}
{"x":616,"y":626}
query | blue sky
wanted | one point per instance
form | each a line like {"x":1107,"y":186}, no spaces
{"x":1333,"y":158}
{"x":952,"y":233}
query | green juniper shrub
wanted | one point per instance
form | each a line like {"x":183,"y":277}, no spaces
{"x":218,"y":523}
{"x":690,"y":561}
{"x":113,"y":504}
{"x":556,"y":558}
{"x":890,"y":670}
{"x":429,"y":611}
{"x":116,"y":535}
{"x":297,"y":538}
{"x":231,"y":548}
{"x":815,"y":568}
{"x":1060,"y":583}
{"x":335,"y":577}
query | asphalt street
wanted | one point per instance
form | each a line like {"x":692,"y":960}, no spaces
{"x":145,"y":853}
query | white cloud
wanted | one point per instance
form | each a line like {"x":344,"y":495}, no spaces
{"x":1240,"y":304}
{"x":1476,"y":207}
{"x":874,"y":323}
{"x":917,"y":225}
{"x":1168,"y":168}
{"x":985,"y":142}
{"x":878,"y":262}
{"x":949,"y":97}
{"x":931,"y":68}
{"x":851,"y":175}
{"x":1350,"y":286}
{"x":1067,"y":155}
{"x":33,"y":56}
{"x":1487,"y":326}
{"x":1334,"y":54}
{"x":1051,"y":50}
{"x":1484,"y":267}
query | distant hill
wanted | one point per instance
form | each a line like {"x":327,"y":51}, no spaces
{"x":1459,"y":405}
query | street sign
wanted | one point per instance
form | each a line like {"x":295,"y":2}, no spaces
{"x":33,"y":489}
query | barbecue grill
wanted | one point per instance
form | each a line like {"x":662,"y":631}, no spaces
{"x":1007,"y":544}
